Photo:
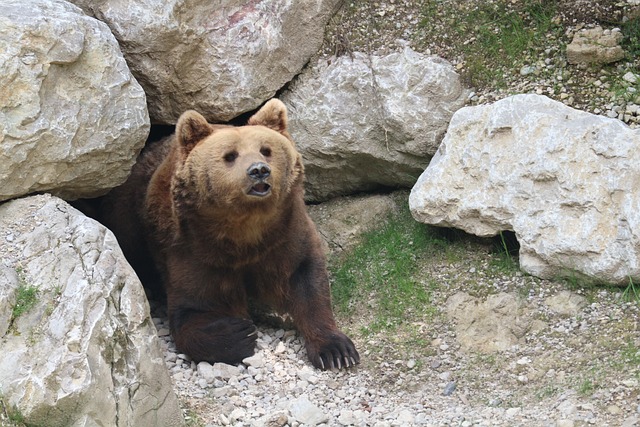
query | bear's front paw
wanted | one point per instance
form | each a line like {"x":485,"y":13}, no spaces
{"x":335,"y":351}
{"x":227,"y":340}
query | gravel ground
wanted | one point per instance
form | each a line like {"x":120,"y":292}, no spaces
{"x":575,"y":366}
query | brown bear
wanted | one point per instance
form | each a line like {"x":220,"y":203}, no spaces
{"x":220,"y":211}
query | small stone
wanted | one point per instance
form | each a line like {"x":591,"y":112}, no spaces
{"x":411,"y":364}
{"x":630,"y":77}
{"x":347,"y":418}
{"x":630,"y":422}
{"x":306,"y":412}
{"x":280,"y":348}
{"x":512,"y":412}
{"x":527,"y":69}
{"x":163,"y":332}
{"x":614,"y":410}
{"x":405,"y":417}
{"x":565,"y":423}
{"x":449,"y":388}
{"x":224,"y":371}
{"x":257,"y":360}
{"x":237,"y":414}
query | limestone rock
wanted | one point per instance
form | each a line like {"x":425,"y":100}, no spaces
{"x":488,"y":326}
{"x":222,"y":58}
{"x":84,"y":350}
{"x":371,"y":121}
{"x":72,"y":117}
{"x":565,"y":181}
{"x":595,"y":45}
{"x":566,"y":303}
{"x":306,"y":412}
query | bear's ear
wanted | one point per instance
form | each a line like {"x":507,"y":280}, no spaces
{"x":191,"y":129}
{"x":273,"y":115}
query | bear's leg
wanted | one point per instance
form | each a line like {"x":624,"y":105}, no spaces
{"x":310,"y":305}
{"x":208,"y":312}
{"x":204,"y":336}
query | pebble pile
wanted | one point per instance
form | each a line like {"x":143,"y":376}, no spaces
{"x":279,"y":387}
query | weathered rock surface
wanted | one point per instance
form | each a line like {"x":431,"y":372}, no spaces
{"x":488,"y":326}
{"x":595,"y":45}
{"x":85,"y":352}
{"x":72,"y":117}
{"x":342,"y":222}
{"x":565,"y":181}
{"x":221,"y":58}
{"x":366,"y":122}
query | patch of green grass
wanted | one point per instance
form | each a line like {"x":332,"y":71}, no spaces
{"x":10,"y":416}
{"x":26,"y":298}
{"x":381,"y":272}
{"x":631,"y":37}
{"x":631,"y":354}
{"x":631,"y":292}
{"x":586,"y":387}
{"x":505,"y":257}
{"x":547,"y":392}
{"x":495,"y":36}
{"x":192,"y":419}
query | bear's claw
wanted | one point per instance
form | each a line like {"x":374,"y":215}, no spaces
{"x":336,"y":353}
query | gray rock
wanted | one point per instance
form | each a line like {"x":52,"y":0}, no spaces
{"x":449,"y":388}
{"x":595,"y":45}
{"x":224,"y":371}
{"x":306,"y":412}
{"x":221,"y":58}
{"x":370,"y":121}
{"x":257,"y":361}
{"x":84,"y":352}
{"x":205,"y":370}
{"x":72,"y":117}
{"x":551,"y":174}
{"x":488,"y":326}
{"x":566,"y":303}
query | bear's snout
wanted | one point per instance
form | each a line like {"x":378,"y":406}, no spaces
{"x":259,"y":171}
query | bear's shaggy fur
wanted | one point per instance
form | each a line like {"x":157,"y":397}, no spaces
{"x":220,"y":211}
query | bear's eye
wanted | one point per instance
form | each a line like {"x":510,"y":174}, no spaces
{"x":230,"y":156}
{"x":265,"y":151}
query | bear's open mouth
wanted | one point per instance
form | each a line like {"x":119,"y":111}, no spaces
{"x":260,"y":190}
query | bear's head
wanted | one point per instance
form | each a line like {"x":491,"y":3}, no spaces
{"x":236,"y":169}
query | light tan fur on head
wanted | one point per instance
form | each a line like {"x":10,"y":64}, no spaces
{"x":191,"y":128}
{"x":215,"y":161}
{"x":273,"y":115}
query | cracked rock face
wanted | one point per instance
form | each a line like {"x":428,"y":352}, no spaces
{"x":72,"y":117}
{"x":83,"y":351}
{"x":595,"y":45}
{"x":565,"y":181}
{"x":222,"y":58}
{"x":363,"y":122}
{"x":491,"y":325}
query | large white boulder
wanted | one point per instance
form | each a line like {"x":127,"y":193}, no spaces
{"x":77,"y":345}
{"x":565,"y":181}
{"x":222,"y":58}
{"x":72,"y":117}
{"x":363,"y":122}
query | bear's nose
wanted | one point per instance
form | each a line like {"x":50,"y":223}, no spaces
{"x":259,"y":171}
